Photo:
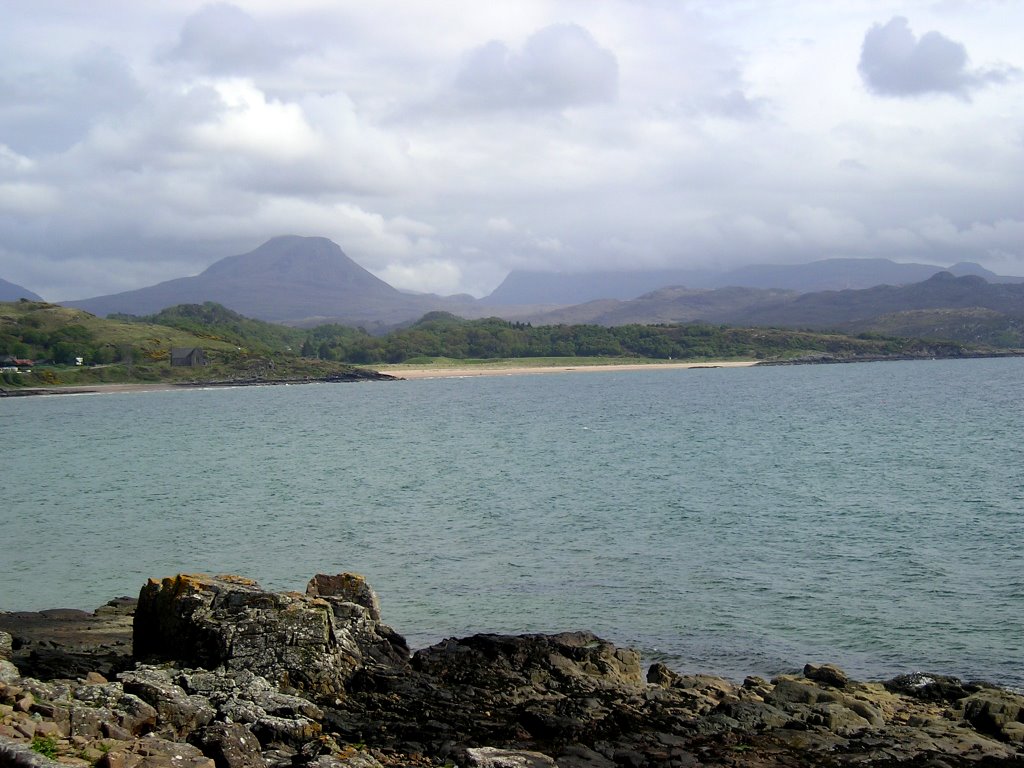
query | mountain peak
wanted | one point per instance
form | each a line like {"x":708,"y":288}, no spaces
{"x":13,"y":292}
{"x":294,"y":259}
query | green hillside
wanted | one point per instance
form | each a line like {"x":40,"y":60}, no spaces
{"x":72,"y":347}
{"x":138,"y":350}
{"x":441,"y":335}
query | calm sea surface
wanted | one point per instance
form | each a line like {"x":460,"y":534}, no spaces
{"x":732,"y":521}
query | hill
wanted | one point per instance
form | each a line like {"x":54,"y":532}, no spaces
{"x":287,"y":279}
{"x":13,"y":292}
{"x":965,"y":309}
{"x":136,"y":350}
{"x":531,"y":287}
{"x":441,"y":335}
{"x":842,"y":309}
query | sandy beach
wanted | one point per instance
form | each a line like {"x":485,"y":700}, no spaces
{"x":410,"y":372}
{"x":455,"y":372}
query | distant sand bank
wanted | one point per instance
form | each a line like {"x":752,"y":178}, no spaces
{"x":399,"y":371}
{"x":429,"y":372}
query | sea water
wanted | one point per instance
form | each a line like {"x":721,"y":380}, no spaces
{"x":732,"y":521}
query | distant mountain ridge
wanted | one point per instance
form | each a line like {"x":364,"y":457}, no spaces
{"x":12,"y":292}
{"x":309,"y":280}
{"x":530,"y":287}
{"x":966,"y":309}
{"x":287,"y":279}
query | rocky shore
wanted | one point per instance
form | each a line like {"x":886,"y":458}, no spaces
{"x":216,"y":672}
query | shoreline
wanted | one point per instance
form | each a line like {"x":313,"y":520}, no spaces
{"x":356,"y":689}
{"x":469,"y":371}
{"x":398,"y":372}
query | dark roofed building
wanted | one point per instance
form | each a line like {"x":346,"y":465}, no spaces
{"x":187,"y":356}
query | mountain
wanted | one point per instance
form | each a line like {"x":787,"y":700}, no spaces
{"x":530,"y":287}
{"x":13,"y":292}
{"x":966,"y":309}
{"x":287,"y":279}
{"x":841,"y":309}
{"x":668,"y":305}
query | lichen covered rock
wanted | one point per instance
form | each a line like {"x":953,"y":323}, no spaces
{"x":310,"y":643}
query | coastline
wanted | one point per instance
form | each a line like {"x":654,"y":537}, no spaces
{"x":467,"y":371}
{"x":397,"y":372}
{"x":144,"y":683}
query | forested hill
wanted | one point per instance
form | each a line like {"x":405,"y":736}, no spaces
{"x":441,"y":335}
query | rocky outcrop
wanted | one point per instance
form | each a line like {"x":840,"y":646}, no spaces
{"x":313,"y":643}
{"x":246,"y":678}
{"x":64,"y":641}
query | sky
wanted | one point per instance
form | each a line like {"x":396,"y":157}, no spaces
{"x":443,"y":144}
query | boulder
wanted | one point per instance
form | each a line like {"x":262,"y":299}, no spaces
{"x":991,"y":710}
{"x":491,"y":757}
{"x":229,"y":745}
{"x":503,"y":662}
{"x":152,"y":752}
{"x":309,"y":643}
{"x":350,"y":587}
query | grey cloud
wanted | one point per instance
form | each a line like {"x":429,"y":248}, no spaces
{"x":894,"y":62}
{"x":223,"y":39}
{"x":559,"y":66}
{"x":49,"y":111}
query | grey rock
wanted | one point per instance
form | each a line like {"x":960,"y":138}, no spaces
{"x":152,"y":752}
{"x":15,"y":754}
{"x":128,"y":711}
{"x":8,"y":672}
{"x":178,"y":713}
{"x":491,"y":757}
{"x":350,"y":587}
{"x":313,"y":644}
{"x":230,"y":745}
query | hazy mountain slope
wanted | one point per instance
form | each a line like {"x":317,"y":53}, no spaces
{"x":287,"y":279}
{"x":669,"y":305}
{"x":530,"y":287}
{"x":533,"y":287}
{"x":839,"y":309}
{"x":973,"y":325}
{"x":12,"y":292}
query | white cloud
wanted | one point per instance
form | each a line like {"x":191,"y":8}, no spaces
{"x":425,"y":276}
{"x":28,"y":199}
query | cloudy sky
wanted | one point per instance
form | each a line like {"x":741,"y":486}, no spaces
{"x":442,"y":144}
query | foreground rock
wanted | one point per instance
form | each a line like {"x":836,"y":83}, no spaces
{"x":227,"y":675}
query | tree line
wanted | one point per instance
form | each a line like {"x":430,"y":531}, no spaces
{"x":440,"y":334}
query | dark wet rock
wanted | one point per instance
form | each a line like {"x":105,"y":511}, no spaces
{"x":990,"y":711}
{"x":930,"y":687}
{"x":566,"y":660}
{"x":826,"y":674}
{"x":70,"y":643}
{"x":306,"y":643}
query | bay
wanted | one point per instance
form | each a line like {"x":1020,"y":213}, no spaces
{"x":734,"y":521}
